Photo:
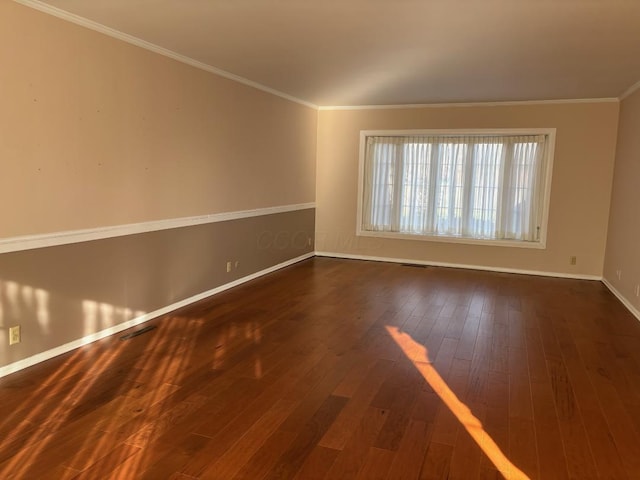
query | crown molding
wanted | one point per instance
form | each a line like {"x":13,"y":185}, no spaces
{"x":125,"y":37}
{"x":630,"y":91}
{"x":138,"y":42}
{"x":471,"y":104}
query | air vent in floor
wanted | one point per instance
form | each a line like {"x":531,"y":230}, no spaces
{"x":137,"y":332}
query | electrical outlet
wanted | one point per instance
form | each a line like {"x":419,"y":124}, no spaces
{"x":14,"y":335}
{"x":309,"y":241}
{"x":228,"y":267}
{"x":572,"y":260}
{"x":619,"y":274}
{"x":637,"y":290}
{"x":236,"y":264}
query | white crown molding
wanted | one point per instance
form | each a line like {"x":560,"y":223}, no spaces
{"x":67,"y":347}
{"x":634,"y":311}
{"x":125,"y":37}
{"x":30,"y":242}
{"x":630,"y":91}
{"x":459,"y":265}
{"x":471,"y":104}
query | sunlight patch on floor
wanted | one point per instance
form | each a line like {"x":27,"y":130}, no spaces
{"x":419,"y":357}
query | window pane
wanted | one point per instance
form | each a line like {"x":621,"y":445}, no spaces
{"x":415,"y":187}
{"x":487,"y":165}
{"x":486,"y":187}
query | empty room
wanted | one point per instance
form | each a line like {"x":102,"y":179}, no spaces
{"x":284,"y":239}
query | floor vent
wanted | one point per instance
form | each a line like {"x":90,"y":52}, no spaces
{"x":137,"y":332}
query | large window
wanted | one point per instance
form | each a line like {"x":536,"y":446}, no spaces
{"x":480,"y":186}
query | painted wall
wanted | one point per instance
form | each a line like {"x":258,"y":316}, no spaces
{"x":63,"y":293}
{"x":95,"y":132}
{"x":623,"y":243}
{"x":580,"y":190}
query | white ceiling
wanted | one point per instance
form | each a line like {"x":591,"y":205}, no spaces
{"x":374,"y":52}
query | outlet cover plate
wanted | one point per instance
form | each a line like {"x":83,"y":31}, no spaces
{"x":14,"y":335}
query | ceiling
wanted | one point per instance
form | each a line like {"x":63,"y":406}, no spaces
{"x":377,"y":52}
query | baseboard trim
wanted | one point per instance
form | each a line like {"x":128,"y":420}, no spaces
{"x":30,"y":242}
{"x":67,"y":347}
{"x":459,"y":265}
{"x":634,"y":311}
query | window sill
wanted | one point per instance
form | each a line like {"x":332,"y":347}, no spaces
{"x":445,"y":239}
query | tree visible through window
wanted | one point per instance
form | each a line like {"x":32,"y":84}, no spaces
{"x":478,"y":186}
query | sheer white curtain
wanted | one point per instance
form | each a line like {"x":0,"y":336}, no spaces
{"x":485,"y":187}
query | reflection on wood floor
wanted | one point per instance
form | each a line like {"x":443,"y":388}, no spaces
{"x":337,"y":369}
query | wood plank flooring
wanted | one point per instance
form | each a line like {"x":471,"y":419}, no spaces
{"x":299,"y":375}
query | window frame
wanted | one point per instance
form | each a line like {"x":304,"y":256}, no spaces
{"x":548,"y":160}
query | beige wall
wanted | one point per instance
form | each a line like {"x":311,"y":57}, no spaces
{"x":97,"y":132}
{"x":94,"y":132}
{"x":580,"y":191}
{"x":623,"y":243}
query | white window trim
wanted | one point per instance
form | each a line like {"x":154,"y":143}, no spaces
{"x":550,"y":154}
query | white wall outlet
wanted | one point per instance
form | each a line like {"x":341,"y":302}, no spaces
{"x":309,"y":241}
{"x":619,"y":274}
{"x":228,"y":267}
{"x":14,"y":335}
{"x":637,"y":290}
{"x":236,"y":264}
{"x":573,"y":260}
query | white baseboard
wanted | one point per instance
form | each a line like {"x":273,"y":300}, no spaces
{"x":622,"y":298}
{"x":458,"y":265}
{"x":67,"y":347}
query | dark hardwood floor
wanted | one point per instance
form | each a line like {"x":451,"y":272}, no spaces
{"x":339,"y":369}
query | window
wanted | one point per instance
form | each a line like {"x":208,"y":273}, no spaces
{"x":473,"y":187}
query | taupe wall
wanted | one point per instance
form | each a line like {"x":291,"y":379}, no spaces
{"x":60,"y":294}
{"x":623,"y":244}
{"x":96,"y":132}
{"x":580,"y":191}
